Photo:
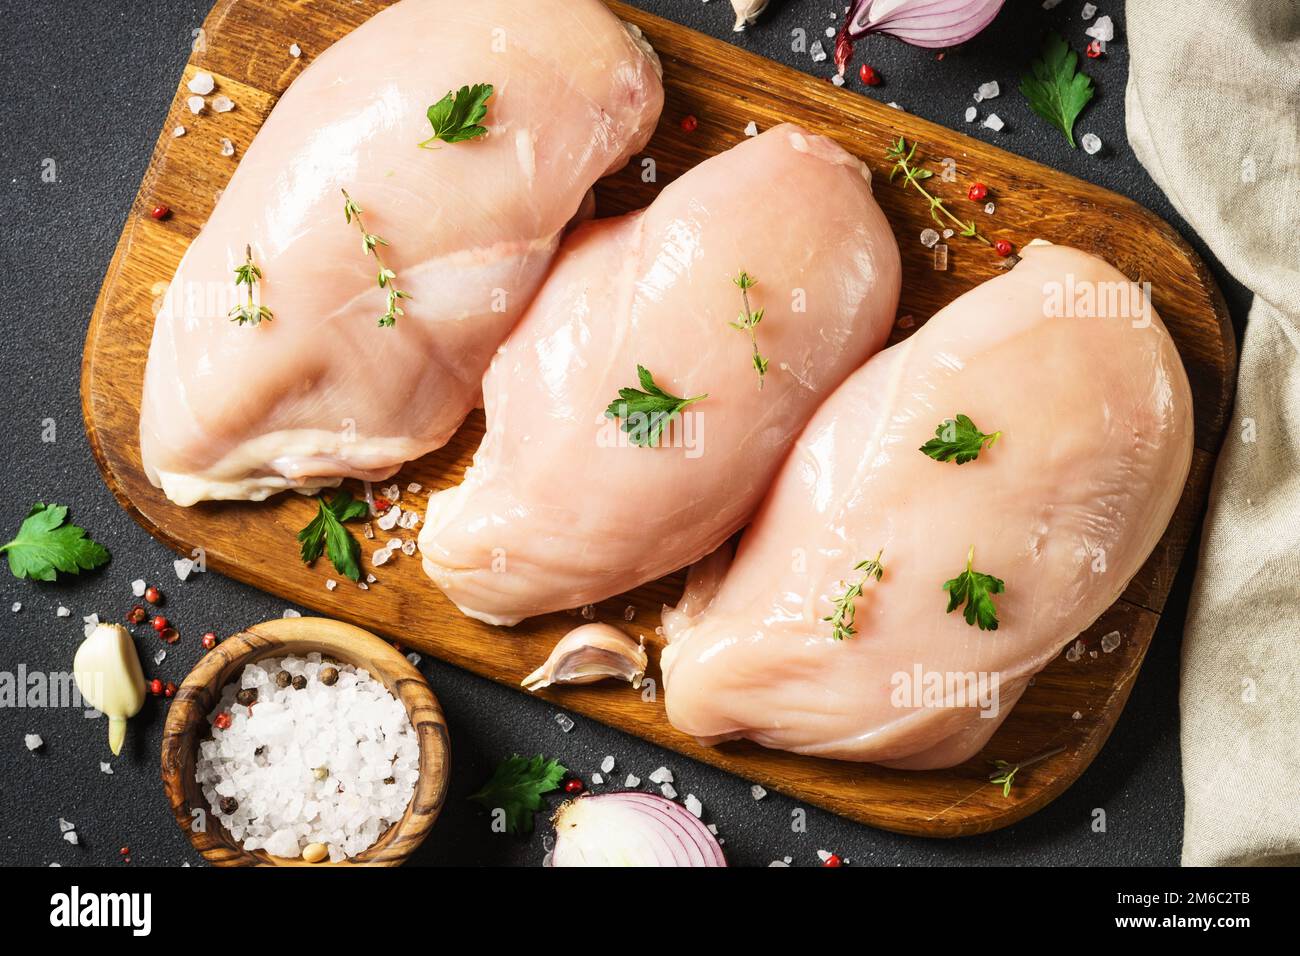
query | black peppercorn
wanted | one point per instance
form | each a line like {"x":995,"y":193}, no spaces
{"x":299,"y":682}
{"x":259,"y":751}
{"x":229,"y":805}
{"x":390,"y":780}
{"x":282,"y":679}
{"x":247,"y":696}
{"x":329,"y":676}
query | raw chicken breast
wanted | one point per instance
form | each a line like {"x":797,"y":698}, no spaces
{"x":321,"y":392}
{"x":559,"y":510}
{"x":1096,"y":421}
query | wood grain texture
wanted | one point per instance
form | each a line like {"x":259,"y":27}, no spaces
{"x":187,"y":724}
{"x":725,"y":87}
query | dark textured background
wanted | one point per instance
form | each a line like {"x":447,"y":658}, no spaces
{"x":87,"y":84}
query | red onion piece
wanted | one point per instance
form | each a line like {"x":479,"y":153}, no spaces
{"x":924,"y":23}
{"x":631,"y":829}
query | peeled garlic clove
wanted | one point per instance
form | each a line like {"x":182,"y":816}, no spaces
{"x":107,"y":671}
{"x":747,"y":11}
{"x":590,"y":653}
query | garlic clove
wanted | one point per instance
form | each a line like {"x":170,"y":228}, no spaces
{"x":747,"y":12}
{"x":108,"y":674}
{"x":590,"y":653}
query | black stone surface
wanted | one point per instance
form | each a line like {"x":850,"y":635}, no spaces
{"x":85,"y":84}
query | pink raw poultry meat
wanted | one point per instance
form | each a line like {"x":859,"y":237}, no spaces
{"x":321,"y":392}
{"x":1096,"y":421}
{"x":556,"y":512}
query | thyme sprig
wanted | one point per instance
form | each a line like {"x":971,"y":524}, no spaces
{"x":748,"y":321}
{"x":1005,"y":773}
{"x":248,"y":274}
{"x":370,"y":244}
{"x":901,"y":153}
{"x":841,"y":620}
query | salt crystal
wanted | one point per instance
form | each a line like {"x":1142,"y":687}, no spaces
{"x":62,"y":611}
{"x":363,"y":585}
{"x":662,"y":775}
{"x":1103,"y":31}
{"x":1091,"y":143}
{"x":837,"y":80}
{"x":607,"y":765}
{"x":993,"y":122}
{"x":295,"y":50}
{"x":989,"y":207}
{"x":989,"y":90}
{"x":565,"y":722}
{"x":894,"y":105}
{"x":371,"y":579}
{"x":388,"y":519}
{"x":331,"y":584}
{"x":106,"y":767}
{"x":368,"y":530}
{"x":669,"y":791}
{"x":929,"y":237}
{"x":223,"y":104}
{"x":632,"y":781}
{"x":757,"y":792}
{"x":1111,"y":641}
{"x":33,"y":741}
{"x":589,"y":613}
{"x":1076,"y":715}
{"x":183,"y":568}
{"x":1075,"y":651}
{"x":751,"y":128}
{"x":1092,"y":654}
{"x":178,"y":132}
{"x":941,"y":257}
{"x":195,"y":103}
{"x":65,"y":826}
{"x":693,"y":804}
{"x":414,"y":658}
{"x":1051,"y":4}
{"x":947,"y":233}
{"x":978,"y":96}
{"x":91,"y":621}
{"x":227,"y":147}
{"x":408,"y":549}
{"x":830,"y":32}
{"x":780,"y":863}
{"x":138,"y":587}
{"x":823,"y":855}
{"x":380,"y":557}
{"x":394,"y":544}
{"x":71,"y":837}
{"x":629,"y":612}
{"x":16,"y":606}
{"x":408,"y":520}
{"x":415,"y":488}
{"x":1088,"y":10}
{"x":817,"y":51}
{"x":290,"y":612}
{"x":712,"y":828}
{"x":201,"y":83}
{"x":160,"y":655}
{"x":597,"y":778}
{"x":971,"y":113}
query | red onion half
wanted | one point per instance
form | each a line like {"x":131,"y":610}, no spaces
{"x":927,"y":23}
{"x":631,"y":829}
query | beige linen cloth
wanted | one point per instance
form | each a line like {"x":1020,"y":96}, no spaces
{"x":1213,"y":109}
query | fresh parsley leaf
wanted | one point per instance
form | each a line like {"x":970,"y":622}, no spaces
{"x":45,"y":545}
{"x":326,"y":533}
{"x":1057,"y":91}
{"x":516,"y":788}
{"x":646,"y":413}
{"x":957,"y":439}
{"x":456,"y":116}
{"x":976,"y":591}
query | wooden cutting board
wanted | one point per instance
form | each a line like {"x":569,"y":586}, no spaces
{"x":1072,"y":704}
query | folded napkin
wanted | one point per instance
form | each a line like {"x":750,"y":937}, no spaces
{"x":1213,"y":107}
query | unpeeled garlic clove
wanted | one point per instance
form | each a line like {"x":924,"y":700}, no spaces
{"x":747,"y":11}
{"x":107,"y":671}
{"x":590,"y":653}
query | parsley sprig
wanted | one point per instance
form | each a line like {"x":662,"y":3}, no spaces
{"x":370,"y":244}
{"x":456,"y":117}
{"x":45,"y":545}
{"x":957,"y":439}
{"x":326,"y":533}
{"x":846,"y":609}
{"x":748,"y":321}
{"x":901,"y":153}
{"x":1056,"y":90}
{"x":975,"y":590}
{"x":250,"y":275}
{"x":646,"y":412}
{"x":516,"y":789}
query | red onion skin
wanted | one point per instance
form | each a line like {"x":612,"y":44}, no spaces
{"x":946,"y":26}
{"x":680,"y":839}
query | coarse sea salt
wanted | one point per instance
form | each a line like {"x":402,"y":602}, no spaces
{"x":971,"y":113}
{"x":1091,"y":143}
{"x":138,"y":586}
{"x":333,"y":764}
{"x":201,"y":83}
{"x":1088,"y":10}
{"x":195,"y":103}
{"x":989,"y":90}
{"x":607,"y":765}
{"x":33,"y":741}
{"x":1103,"y":30}
{"x":993,"y":122}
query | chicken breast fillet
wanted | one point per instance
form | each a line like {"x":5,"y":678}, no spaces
{"x":1095,"y":415}
{"x":321,"y":391}
{"x":559,"y":509}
